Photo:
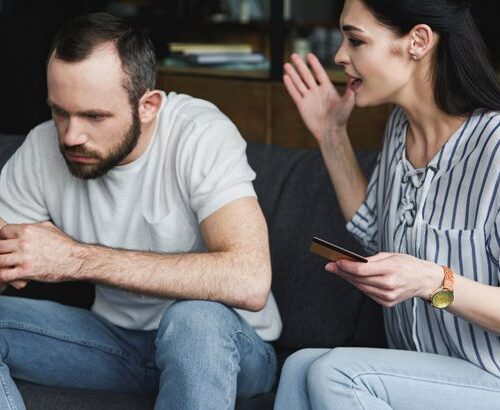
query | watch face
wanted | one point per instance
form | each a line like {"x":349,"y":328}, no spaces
{"x":442,"y":299}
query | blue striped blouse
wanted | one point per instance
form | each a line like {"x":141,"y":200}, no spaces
{"x":448,"y":213}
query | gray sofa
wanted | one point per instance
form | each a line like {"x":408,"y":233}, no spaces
{"x":318,"y":309}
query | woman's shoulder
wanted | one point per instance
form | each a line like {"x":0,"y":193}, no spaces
{"x":484,"y":135}
{"x":486,"y":126}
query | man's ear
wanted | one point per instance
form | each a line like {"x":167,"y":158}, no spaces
{"x":149,"y":105}
{"x":422,"y":41}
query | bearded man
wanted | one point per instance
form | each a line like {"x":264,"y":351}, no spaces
{"x":149,"y":196}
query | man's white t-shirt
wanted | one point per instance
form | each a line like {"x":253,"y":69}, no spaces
{"x":194,"y":164}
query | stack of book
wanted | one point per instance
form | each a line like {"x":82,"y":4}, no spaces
{"x":214,"y":54}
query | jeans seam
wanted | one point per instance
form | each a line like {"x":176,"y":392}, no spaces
{"x":37,"y":330}
{"x":6,"y":393}
{"x":471,"y":386}
{"x":233,"y":354}
{"x":355,"y":393}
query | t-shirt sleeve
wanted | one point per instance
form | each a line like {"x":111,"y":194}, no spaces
{"x":217,"y":171}
{"x":21,"y":196}
{"x":364,"y":224}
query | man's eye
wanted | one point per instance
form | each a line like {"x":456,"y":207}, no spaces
{"x":355,"y":42}
{"x":59,"y":113}
{"x":95,"y":117}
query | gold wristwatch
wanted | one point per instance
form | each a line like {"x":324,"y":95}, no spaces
{"x":443,"y":296}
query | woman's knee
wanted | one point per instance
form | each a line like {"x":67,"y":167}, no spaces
{"x":297,"y":364}
{"x":328,"y":369}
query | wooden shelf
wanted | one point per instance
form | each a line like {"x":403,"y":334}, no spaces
{"x":264,"y":112}
{"x":261,"y":74}
{"x":337,"y":76}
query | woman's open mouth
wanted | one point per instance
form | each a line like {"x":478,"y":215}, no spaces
{"x":354,"y":82}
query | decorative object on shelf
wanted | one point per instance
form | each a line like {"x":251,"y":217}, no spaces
{"x":214,"y":54}
{"x":247,"y":10}
{"x":193,"y":48}
{"x":301,"y":46}
{"x":224,"y":58}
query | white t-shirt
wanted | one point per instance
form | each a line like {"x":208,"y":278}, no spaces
{"x":194,"y":164}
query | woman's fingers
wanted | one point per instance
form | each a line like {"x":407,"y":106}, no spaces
{"x":295,"y":79}
{"x":292,"y":89}
{"x":318,"y":70}
{"x":379,"y":256}
{"x":304,"y":71}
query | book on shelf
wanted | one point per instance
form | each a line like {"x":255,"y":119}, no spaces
{"x":206,"y":48}
{"x":225,"y":58}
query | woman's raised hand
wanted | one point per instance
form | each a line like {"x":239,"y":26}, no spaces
{"x":321,"y":107}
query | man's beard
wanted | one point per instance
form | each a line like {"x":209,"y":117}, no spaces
{"x":114,"y":157}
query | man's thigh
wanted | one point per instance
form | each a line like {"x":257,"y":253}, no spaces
{"x":52,"y":344}
{"x":385,"y":378}
{"x":196,"y":337}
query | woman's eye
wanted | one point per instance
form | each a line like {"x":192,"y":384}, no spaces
{"x":355,"y":42}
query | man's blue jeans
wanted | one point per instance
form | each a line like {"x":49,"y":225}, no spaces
{"x":203,"y":355}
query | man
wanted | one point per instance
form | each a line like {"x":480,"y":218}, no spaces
{"x":149,"y":196}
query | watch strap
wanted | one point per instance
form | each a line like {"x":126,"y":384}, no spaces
{"x":448,"y":278}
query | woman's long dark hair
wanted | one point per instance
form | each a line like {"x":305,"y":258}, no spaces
{"x":464,"y":78}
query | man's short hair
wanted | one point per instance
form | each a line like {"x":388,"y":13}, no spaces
{"x":77,"y":40}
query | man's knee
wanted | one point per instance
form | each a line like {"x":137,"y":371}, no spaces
{"x":12,"y":308}
{"x":196,"y":319}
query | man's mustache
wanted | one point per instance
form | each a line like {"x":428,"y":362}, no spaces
{"x":79,"y":150}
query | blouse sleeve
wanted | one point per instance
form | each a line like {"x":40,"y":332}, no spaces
{"x":493,"y":243}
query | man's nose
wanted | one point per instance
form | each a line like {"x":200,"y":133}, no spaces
{"x":75,"y":133}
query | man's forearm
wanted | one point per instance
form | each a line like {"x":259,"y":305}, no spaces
{"x":238,"y":279}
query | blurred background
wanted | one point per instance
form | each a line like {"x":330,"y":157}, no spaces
{"x":263,"y":33}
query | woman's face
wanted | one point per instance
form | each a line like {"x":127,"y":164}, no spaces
{"x":375,"y":60}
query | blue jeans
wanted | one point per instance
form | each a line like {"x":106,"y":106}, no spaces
{"x":376,"y":379}
{"x":203,"y":355}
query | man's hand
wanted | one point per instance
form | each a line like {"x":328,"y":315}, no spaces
{"x":18,"y":284}
{"x":36,"y":252}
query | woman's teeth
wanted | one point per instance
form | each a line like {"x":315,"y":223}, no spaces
{"x":356,"y":83}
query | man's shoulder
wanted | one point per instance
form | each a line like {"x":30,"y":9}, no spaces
{"x":46,"y":128}
{"x":184,"y":107}
{"x":191,"y":125}
{"x":46,"y":131}
{"x":41,"y":144}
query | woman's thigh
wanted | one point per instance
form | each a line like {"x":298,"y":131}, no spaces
{"x":365,"y":378}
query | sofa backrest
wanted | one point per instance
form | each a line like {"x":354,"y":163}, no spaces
{"x":318,"y":309}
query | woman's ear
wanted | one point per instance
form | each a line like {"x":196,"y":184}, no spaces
{"x":422,"y":41}
{"x":149,"y":105}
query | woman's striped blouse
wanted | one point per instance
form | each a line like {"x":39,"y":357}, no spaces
{"x":448,"y":213}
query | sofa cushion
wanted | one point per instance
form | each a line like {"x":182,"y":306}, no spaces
{"x":318,"y":309}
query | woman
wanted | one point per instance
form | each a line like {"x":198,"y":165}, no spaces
{"x":430,"y":215}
